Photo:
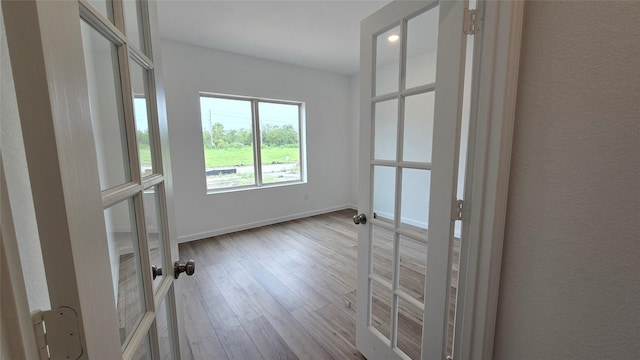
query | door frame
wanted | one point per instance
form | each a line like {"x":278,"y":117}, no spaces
{"x":493,"y":101}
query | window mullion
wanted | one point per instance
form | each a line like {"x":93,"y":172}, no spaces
{"x":257,"y":156}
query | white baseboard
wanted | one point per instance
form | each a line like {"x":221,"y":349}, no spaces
{"x":230,"y":229}
{"x":420,"y":224}
{"x":416,"y":223}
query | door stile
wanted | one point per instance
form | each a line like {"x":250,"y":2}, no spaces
{"x":448,"y":100}
{"x":46,"y":53}
{"x":365,"y":149}
{"x":175,"y":301}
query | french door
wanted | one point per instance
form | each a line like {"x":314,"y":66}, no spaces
{"x":91,"y":107}
{"x":412,"y":72}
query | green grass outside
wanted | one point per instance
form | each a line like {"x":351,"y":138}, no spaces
{"x":235,"y":156}
{"x":145,"y":154}
{"x":244,"y":156}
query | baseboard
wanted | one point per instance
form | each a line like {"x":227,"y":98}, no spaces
{"x":231,"y":229}
{"x":406,"y":220}
{"x":421,"y":224}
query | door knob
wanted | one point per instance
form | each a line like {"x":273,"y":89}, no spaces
{"x":359,"y":219}
{"x":156,"y":271}
{"x":189,"y":268}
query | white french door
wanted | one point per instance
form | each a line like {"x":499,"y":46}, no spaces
{"x":412,"y":72}
{"x":91,"y":107}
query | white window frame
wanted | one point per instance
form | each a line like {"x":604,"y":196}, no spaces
{"x":257,"y":142}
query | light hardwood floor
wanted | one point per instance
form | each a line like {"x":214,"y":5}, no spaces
{"x":285,"y":291}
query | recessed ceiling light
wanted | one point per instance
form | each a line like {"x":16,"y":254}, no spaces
{"x":393,"y":38}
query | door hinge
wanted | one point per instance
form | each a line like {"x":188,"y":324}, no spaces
{"x":458,"y":208}
{"x":471,"y":22}
{"x":57,"y":334}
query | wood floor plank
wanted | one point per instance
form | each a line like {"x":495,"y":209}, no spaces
{"x":268,"y":341}
{"x":331,"y":340}
{"x":204,"y":284}
{"x":224,"y":249}
{"x":203,"y":339}
{"x":341,"y":320}
{"x":245,"y":281}
{"x":237,"y":300}
{"x":273,"y":286}
{"x":219,"y":313}
{"x":308,"y":294}
{"x":238,"y":344}
{"x":296,"y":337}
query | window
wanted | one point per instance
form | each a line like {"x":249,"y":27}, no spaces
{"x":251,"y":142}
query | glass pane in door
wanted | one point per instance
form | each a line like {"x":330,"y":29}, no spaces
{"x":414,"y":211}
{"x":385,"y":130}
{"x":387,"y":61}
{"x":125,"y":266}
{"x":105,"y":96}
{"x":384,"y":197}
{"x":382,"y":251}
{"x":413,"y":267}
{"x":418,"y":127}
{"x":139,"y":88}
{"x":133,"y":23}
{"x":422,"y":44}
{"x":409,"y":332}
{"x":380,"y":311}
{"x":165,"y":341}
{"x":155,"y":235}
{"x":105,"y":7}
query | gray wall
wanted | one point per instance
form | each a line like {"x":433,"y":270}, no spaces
{"x":570,"y":286}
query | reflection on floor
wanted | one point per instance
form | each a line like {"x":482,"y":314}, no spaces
{"x":129,"y":304}
{"x":288,"y":291}
{"x":129,"y":296}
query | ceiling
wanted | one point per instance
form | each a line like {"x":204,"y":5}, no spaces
{"x":316,"y":34}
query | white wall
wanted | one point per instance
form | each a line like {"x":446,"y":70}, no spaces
{"x":189,"y":70}
{"x":570,"y":282}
